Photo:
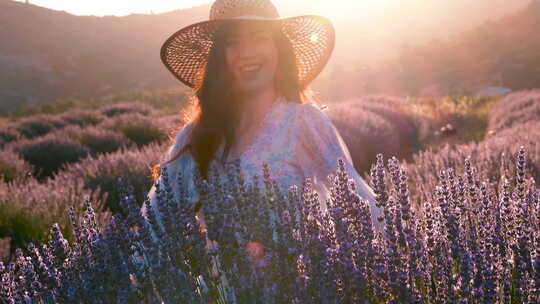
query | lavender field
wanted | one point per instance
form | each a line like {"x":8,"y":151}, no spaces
{"x":457,"y":178}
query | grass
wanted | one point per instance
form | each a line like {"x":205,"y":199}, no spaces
{"x":21,"y":226}
{"x":469,"y":115}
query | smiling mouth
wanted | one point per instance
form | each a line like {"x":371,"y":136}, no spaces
{"x":250,"y":68}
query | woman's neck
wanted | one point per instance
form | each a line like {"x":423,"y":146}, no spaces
{"x":255,"y":106}
{"x":254,"y":110}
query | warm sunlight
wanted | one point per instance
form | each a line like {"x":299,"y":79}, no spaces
{"x":333,"y":9}
{"x":339,"y":8}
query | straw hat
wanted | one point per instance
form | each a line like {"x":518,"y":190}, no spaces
{"x":312,"y":37}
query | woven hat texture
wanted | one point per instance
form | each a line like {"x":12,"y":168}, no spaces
{"x":312,"y":38}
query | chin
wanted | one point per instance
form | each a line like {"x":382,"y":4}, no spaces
{"x":254,"y":87}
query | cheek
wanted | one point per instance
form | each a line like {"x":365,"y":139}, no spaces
{"x":229,"y":59}
{"x":271,"y":59}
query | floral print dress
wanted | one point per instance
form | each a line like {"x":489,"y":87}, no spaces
{"x":295,"y":140}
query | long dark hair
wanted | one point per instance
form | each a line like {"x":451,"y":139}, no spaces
{"x":217,"y":104}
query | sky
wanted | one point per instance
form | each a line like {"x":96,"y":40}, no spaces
{"x":334,"y":8}
{"x":115,"y":7}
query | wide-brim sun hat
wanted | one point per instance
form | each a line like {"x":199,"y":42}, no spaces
{"x":312,"y":38}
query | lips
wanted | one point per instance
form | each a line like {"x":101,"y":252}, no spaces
{"x":250,"y":68}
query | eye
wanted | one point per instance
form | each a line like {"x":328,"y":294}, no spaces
{"x":262,"y":37}
{"x":231,"y":41}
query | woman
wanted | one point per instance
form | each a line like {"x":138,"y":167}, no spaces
{"x":250,"y":72}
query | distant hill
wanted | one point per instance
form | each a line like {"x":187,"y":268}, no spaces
{"x":47,"y":54}
{"x":500,"y":53}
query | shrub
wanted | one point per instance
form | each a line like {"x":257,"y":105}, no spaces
{"x":471,"y":244}
{"x":49,"y":153}
{"x":100,"y":172}
{"x":487,"y":155}
{"x":139,"y":129}
{"x":397,"y":103}
{"x":38,"y":125}
{"x":368,"y":129}
{"x":127,"y":107}
{"x":171,"y":124}
{"x":403,"y":123}
{"x":515,"y":108}
{"x":28,"y":208}
{"x":8,"y":134}
{"x":12,"y":166}
{"x":96,"y":139}
{"x":82,"y":118}
{"x":5,"y":248}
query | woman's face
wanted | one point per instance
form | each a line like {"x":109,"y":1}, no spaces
{"x":251,"y":56}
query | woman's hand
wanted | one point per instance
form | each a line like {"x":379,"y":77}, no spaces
{"x":256,"y":252}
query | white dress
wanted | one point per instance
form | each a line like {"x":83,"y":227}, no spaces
{"x":295,"y":140}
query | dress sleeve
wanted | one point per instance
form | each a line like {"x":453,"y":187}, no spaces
{"x":319,"y":145}
{"x":172,"y":168}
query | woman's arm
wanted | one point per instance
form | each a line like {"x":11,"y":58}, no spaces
{"x":319,"y":145}
{"x":172,"y":168}
{"x":172,"y":171}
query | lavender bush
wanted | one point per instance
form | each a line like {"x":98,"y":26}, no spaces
{"x":171,"y":124}
{"x":397,"y":103}
{"x":8,"y":134}
{"x":97,"y":140}
{"x":12,"y":166}
{"x":493,"y":157}
{"x":362,"y":124}
{"x":515,"y":108}
{"x":100,"y":172}
{"x":38,"y":125}
{"x":48,"y":153}
{"x":393,"y":111}
{"x":127,"y":107}
{"x":140,"y":129}
{"x":472,"y":243}
{"x":82,"y":118}
{"x":28,"y":208}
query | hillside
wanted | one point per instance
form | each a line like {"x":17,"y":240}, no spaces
{"x":61,"y":55}
{"x":500,"y":53}
{"x":50,"y":54}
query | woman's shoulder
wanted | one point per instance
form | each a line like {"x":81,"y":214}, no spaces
{"x":305,"y":107}
{"x":180,"y":140}
{"x":309,"y":116}
{"x":183,"y":134}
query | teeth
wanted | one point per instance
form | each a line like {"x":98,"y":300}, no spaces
{"x":250,"y":68}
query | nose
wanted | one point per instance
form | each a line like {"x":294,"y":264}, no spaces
{"x":246,"y":49}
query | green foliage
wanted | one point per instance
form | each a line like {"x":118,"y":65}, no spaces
{"x":468,"y":115}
